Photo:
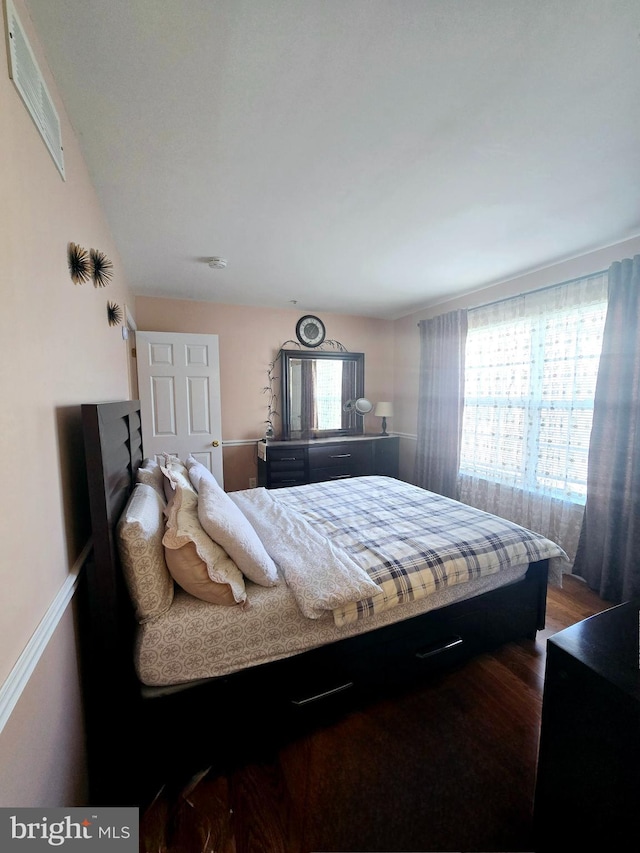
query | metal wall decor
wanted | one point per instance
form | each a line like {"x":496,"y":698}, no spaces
{"x":78,"y":261}
{"x":114,"y":314}
{"x":84,"y":265}
{"x":101,"y":268}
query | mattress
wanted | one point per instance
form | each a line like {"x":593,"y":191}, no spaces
{"x":196,"y":640}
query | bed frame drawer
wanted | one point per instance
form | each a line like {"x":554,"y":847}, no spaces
{"x":444,"y":638}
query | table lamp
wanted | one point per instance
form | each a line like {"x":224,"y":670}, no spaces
{"x":384,"y":411}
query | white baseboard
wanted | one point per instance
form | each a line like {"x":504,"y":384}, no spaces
{"x":19,"y":676}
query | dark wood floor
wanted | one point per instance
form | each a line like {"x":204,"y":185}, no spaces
{"x":447,"y":766}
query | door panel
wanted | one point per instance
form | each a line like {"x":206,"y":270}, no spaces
{"x":179,"y":389}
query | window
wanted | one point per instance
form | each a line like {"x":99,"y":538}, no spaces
{"x":329,"y":394}
{"x":531,"y":368}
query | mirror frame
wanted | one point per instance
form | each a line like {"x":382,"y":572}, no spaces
{"x":290,"y":355}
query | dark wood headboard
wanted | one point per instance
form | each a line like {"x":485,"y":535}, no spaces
{"x":113,"y":448}
{"x":113,"y":451}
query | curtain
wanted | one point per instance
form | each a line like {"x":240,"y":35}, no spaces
{"x":308,"y":398}
{"x":532,"y":363}
{"x":440,"y":402}
{"x":608,"y":555}
{"x":348,"y":391}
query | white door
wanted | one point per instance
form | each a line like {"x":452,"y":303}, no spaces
{"x":179,"y":390}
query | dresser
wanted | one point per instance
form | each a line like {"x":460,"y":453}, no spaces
{"x":295,"y":463}
{"x":588,"y":778}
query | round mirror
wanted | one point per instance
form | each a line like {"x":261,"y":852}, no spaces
{"x":361,"y":406}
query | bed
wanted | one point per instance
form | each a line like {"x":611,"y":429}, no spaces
{"x":314,"y":599}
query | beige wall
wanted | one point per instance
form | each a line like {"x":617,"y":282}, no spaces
{"x":57,"y":351}
{"x":249,"y":339}
{"x":407,"y":339}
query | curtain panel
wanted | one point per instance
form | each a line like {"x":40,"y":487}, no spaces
{"x":608,"y":555}
{"x":441,"y":402}
{"x":532,"y":363}
{"x":309,"y":414}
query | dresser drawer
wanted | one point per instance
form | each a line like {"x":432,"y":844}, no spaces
{"x":287,"y":467}
{"x":320,"y":475}
{"x":282,"y":466}
{"x":285,"y":455}
{"x":348,"y":456}
{"x":287,"y":478}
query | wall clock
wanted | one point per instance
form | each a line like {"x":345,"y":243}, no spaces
{"x":310,"y":331}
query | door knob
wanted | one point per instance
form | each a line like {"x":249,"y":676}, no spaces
{"x":215,"y":443}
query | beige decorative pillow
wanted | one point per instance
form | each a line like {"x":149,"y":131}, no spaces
{"x":183,"y":527}
{"x":151,"y":474}
{"x":190,"y":572}
{"x":139,"y":534}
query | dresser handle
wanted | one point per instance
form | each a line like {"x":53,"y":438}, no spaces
{"x":287,"y":459}
{"x":341,"y":456}
{"x":430,"y":651}
{"x":340,"y":476}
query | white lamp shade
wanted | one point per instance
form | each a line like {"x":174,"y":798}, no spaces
{"x":384,"y":410}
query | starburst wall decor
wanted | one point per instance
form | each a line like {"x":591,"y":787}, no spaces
{"x":114,"y":314}
{"x":78,"y":261}
{"x":101,"y":268}
{"x":84,"y":265}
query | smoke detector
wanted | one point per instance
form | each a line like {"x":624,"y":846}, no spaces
{"x":217,"y":263}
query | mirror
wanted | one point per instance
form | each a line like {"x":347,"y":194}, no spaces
{"x":319,"y":393}
{"x":361,"y":406}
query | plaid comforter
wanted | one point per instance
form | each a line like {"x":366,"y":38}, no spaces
{"x":410,"y":541}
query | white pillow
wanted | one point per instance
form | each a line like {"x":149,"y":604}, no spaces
{"x":227,"y":525}
{"x":139,"y":534}
{"x":183,"y":527}
{"x":197,"y":471}
{"x":171,"y":465}
{"x":176,"y":476}
{"x":151,"y":474}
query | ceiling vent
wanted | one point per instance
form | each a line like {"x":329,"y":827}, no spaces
{"x":24,"y":71}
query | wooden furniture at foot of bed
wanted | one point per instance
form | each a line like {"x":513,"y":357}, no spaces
{"x":588,"y":773}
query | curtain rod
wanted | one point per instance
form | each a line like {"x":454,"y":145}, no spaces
{"x":535,"y":290}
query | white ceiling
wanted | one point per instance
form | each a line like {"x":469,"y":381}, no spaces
{"x":359,"y":156}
